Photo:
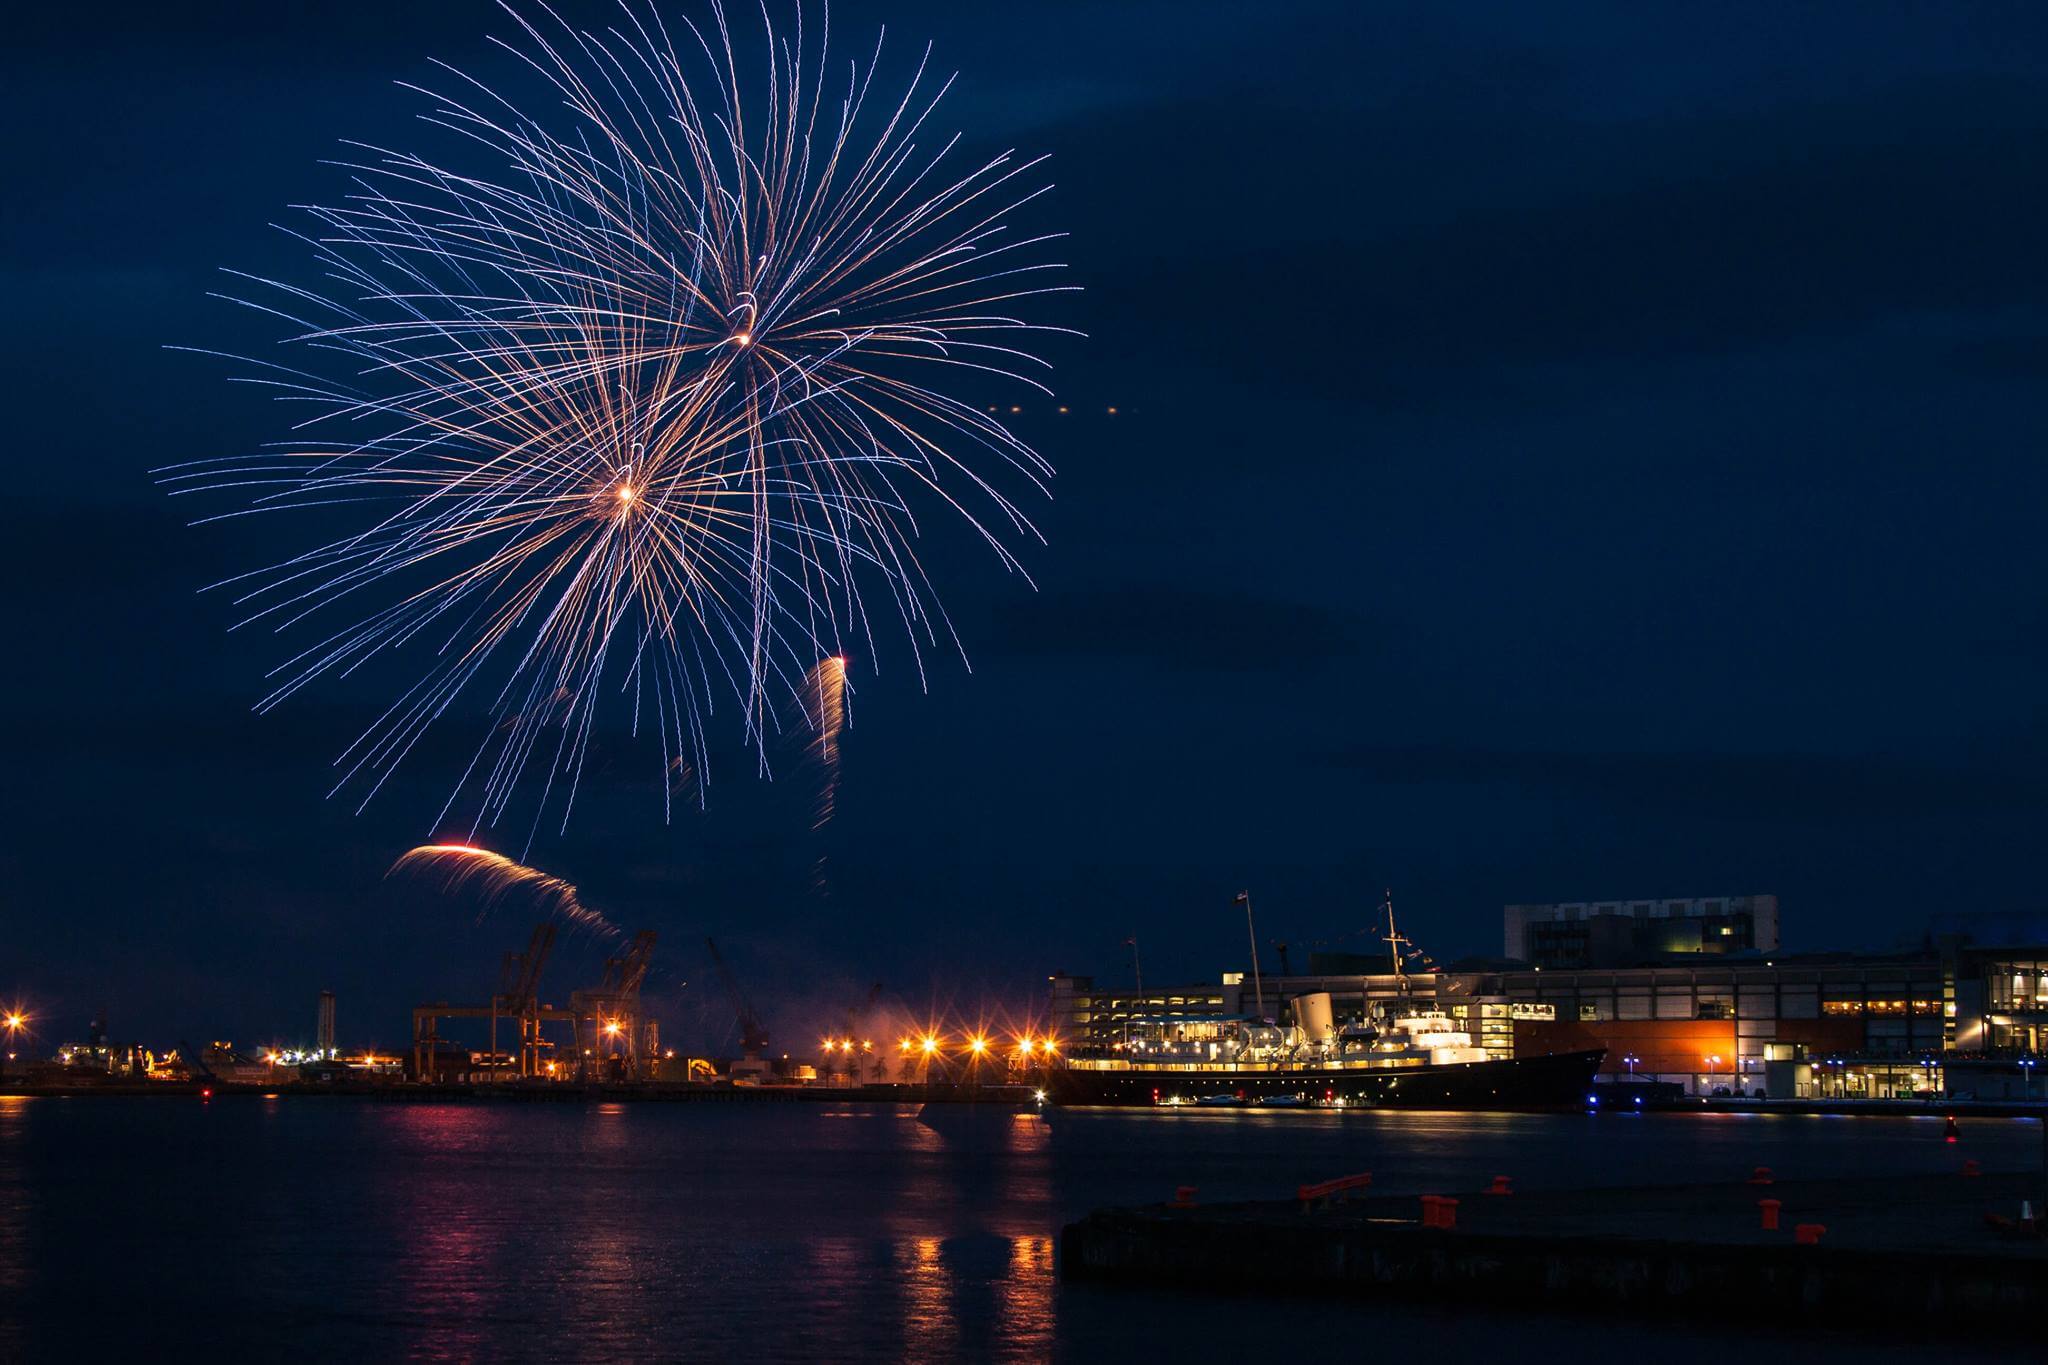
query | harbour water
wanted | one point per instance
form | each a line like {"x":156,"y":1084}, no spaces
{"x":328,"y":1228}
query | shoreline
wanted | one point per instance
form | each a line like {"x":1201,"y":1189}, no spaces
{"x":1011,"y":1096}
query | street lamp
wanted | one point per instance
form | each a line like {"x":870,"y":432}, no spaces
{"x":1630,"y":1062}
{"x":15,"y":1020}
{"x":1712,"y":1061}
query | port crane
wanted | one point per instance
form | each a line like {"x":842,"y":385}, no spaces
{"x":518,"y":996}
{"x":608,"y":1019}
{"x":751,"y":1067}
{"x":609,"y":1029}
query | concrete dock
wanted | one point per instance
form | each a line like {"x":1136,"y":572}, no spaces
{"x":1893,"y":1252}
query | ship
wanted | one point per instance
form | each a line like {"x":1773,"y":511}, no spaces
{"x":1406,"y":1054}
{"x":1420,"y":1060}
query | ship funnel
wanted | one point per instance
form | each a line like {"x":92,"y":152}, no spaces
{"x":1313,"y":1017}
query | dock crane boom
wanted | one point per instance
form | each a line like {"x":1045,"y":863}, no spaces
{"x":623,"y":974}
{"x":753,"y":1038}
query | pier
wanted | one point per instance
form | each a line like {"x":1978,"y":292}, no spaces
{"x":1947,"y":1253}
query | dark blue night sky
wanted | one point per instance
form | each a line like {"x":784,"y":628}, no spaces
{"x":1562,"y":452}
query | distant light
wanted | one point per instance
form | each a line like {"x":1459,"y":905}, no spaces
{"x":743,"y":339}
{"x":1025,"y":1047}
{"x":931,"y":1044}
{"x":977,"y":1043}
{"x":1040,"y":1095}
{"x":15,"y":1021}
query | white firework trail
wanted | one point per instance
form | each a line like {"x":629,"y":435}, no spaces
{"x":649,"y":407}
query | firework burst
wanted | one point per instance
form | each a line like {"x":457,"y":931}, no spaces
{"x":644,"y":412}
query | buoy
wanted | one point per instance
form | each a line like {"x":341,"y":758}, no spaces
{"x":1770,"y":1209}
{"x":1949,"y":1131}
{"x":1183,"y":1197}
{"x":1809,"y":1234}
{"x":1447,"y":1213}
{"x":1432,"y":1213}
{"x":1501,"y":1185}
{"x":1760,"y":1176}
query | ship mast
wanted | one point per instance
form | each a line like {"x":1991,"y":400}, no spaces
{"x":1244,"y":898}
{"x":1394,"y":940}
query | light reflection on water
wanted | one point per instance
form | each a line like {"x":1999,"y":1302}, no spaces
{"x":334,"y":1228}
{"x":17,"y":1212}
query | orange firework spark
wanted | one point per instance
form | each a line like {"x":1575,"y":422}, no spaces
{"x":465,"y":870}
{"x":824,"y":698}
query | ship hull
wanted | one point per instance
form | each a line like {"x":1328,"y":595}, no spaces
{"x":1548,"y":1081}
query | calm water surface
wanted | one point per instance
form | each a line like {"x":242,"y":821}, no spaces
{"x":322,"y":1228}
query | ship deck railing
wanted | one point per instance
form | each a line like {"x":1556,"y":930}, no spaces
{"x":1246,"y":1068}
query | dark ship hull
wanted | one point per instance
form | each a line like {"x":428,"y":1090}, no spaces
{"x":1547,"y":1081}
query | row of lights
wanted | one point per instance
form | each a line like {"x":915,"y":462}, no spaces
{"x":974,"y":1044}
{"x":1018,"y":407}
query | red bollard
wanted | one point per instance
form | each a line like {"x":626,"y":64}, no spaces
{"x":1770,"y":1209}
{"x":1431,"y":1213}
{"x":1183,"y":1197}
{"x":1447,"y":1213}
{"x":1971,"y":1168}
{"x":1761,"y":1175}
{"x":1501,"y":1185}
{"x":1809,"y":1234}
{"x":1949,"y":1131}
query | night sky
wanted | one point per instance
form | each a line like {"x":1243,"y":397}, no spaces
{"x":1562,"y":452}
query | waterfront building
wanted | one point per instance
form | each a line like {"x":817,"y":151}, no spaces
{"x":1714,"y":1029}
{"x":1964,"y":1012}
{"x":1630,"y":933}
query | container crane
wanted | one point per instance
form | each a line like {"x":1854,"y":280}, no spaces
{"x":751,"y":1068}
{"x":608,"y":1018}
